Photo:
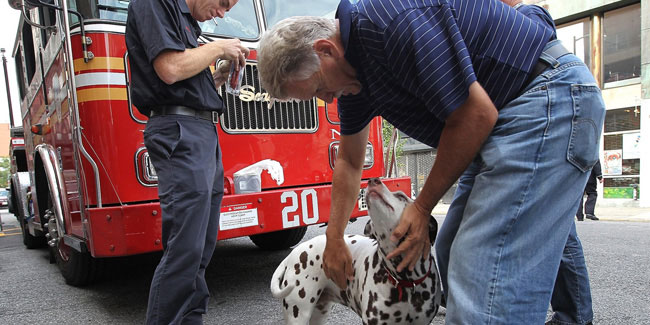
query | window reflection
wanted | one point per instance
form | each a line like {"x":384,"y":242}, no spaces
{"x":622,"y":45}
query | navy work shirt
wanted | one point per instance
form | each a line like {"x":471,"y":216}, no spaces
{"x":154,"y":26}
{"x":416,"y":59}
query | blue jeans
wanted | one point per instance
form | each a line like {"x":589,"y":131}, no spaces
{"x":500,"y":246}
{"x":571,"y":300}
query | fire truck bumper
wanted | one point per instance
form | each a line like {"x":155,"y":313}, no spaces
{"x":136,"y":229}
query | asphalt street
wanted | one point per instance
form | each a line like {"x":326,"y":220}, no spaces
{"x":33,"y":292}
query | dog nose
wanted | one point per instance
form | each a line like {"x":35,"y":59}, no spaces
{"x":374,"y":181}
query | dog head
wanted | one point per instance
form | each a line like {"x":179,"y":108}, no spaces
{"x":385,"y":209}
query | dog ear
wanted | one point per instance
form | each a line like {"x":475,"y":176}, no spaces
{"x":367,"y":230}
{"x":433,"y":230}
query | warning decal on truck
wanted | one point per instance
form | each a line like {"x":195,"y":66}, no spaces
{"x":238,"y":216}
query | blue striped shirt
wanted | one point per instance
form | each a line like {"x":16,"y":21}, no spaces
{"x":416,"y":59}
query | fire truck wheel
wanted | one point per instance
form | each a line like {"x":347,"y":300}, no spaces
{"x":78,"y":269}
{"x":279,"y":239}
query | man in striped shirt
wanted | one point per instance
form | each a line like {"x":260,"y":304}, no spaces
{"x":510,"y":111}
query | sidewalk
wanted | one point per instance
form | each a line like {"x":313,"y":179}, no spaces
{"x":604,"y":213}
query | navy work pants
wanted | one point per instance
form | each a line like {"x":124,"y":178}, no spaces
{"x":185,"y":153}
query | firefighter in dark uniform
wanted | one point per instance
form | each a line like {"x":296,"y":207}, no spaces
{"x":592,"y":194}
{"x":173,"y":86}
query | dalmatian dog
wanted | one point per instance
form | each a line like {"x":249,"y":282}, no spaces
{"x":378,"y":293}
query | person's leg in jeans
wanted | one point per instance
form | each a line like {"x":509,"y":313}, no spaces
{"x":452,"y":221}
{"x":571,"y":300}
{"x":504,"y":257}
{"x":182,"y":150}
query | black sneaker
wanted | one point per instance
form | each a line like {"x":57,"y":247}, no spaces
{"x":592,"y":217}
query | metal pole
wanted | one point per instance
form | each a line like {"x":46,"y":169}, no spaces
{"x":4,"y":65}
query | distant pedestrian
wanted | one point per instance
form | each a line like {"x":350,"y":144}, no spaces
{"x":592,"y":194}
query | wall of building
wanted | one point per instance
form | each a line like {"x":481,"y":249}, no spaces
{"x":4,"y":139}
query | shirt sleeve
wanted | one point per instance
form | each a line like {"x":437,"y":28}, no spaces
{"x":158,"y":27}
{"x":425,"y":50}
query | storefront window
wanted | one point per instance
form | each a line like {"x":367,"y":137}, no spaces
{"x":621,"y":156}
{"x":576,"y":38}
{"x":622,"y":46}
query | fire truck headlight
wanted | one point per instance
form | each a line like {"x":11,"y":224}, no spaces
{"x":149,"y":172}
{"x":144,"y":170}
{"x":369,"y":159}
{"x":370,"y":156}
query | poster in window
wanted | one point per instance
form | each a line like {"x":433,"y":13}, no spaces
{"x":613,"y":162}
{"x":631,"y":145}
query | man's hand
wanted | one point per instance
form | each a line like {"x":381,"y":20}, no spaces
{"x":414,"y":224}
{"x":337,"y":262}
{"x":220,"y":74}
{"x":232,"y":50}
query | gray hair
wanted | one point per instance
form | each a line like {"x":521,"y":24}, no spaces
{"x":286,"y":52}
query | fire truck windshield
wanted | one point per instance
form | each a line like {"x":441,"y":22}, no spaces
{"x":100,"y":9}
{"x":239,"y":22}
{"x":276,"y":10}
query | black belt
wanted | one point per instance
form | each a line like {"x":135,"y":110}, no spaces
{"x":212,"y":116}
{"x":556,"y":50}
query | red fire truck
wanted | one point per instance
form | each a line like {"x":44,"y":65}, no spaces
{"x":90,"y":190}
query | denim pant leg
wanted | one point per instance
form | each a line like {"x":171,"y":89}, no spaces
{"x":452,"y":220}
{"x":505,"y":254}
{"x":183,"y":151}
{"x":571,"y":300}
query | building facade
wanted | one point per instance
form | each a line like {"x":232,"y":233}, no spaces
{"x":613,"y":38}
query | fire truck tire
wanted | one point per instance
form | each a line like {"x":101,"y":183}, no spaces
{"x":78,"y":269}
{"x":277,"y":240}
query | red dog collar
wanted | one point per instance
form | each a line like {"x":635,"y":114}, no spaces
{"x":399,"y":284}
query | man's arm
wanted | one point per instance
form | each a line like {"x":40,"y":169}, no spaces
{"x":337,"y":261}
{"x":172,"y":66}
{"x":462,"y":137}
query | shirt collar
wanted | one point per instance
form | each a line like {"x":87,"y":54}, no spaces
{"x":344,"y":14}
{"x":183,"y":6}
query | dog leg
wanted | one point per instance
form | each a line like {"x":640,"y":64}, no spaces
{"x":320,"y":313}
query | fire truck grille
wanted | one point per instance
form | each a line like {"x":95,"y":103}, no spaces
{"x":250,"y":112}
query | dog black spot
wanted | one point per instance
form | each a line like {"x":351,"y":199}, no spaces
{"x":311,"y":263}
{"x":312,"y":300}
{"x":301,"y":293}
{"x":353,"y":242}
{"x":284,"y":303}
{"x":317,"y":257}
{"x":297,"y":283}
{"x":318,"y":292}
{"x":381,"y":276}
{"x":344,"y":297}
{"x":297,"y":267}
{"x":295,"y":311}
{"x":373,"y":321}
{"x":417,"y":301}
{"x":409,"y":319}
{"x":383,"y":316}
{"x":398,"y":320}
{"x":285,"y":283}
{"x":350,"y":236}
{"x":375,"y":260}
{"x":303,"y":259}
{"x":310,"y":246}
{"x":397,"y":313}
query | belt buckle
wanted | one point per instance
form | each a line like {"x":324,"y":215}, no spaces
{"x":215,"y":117}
